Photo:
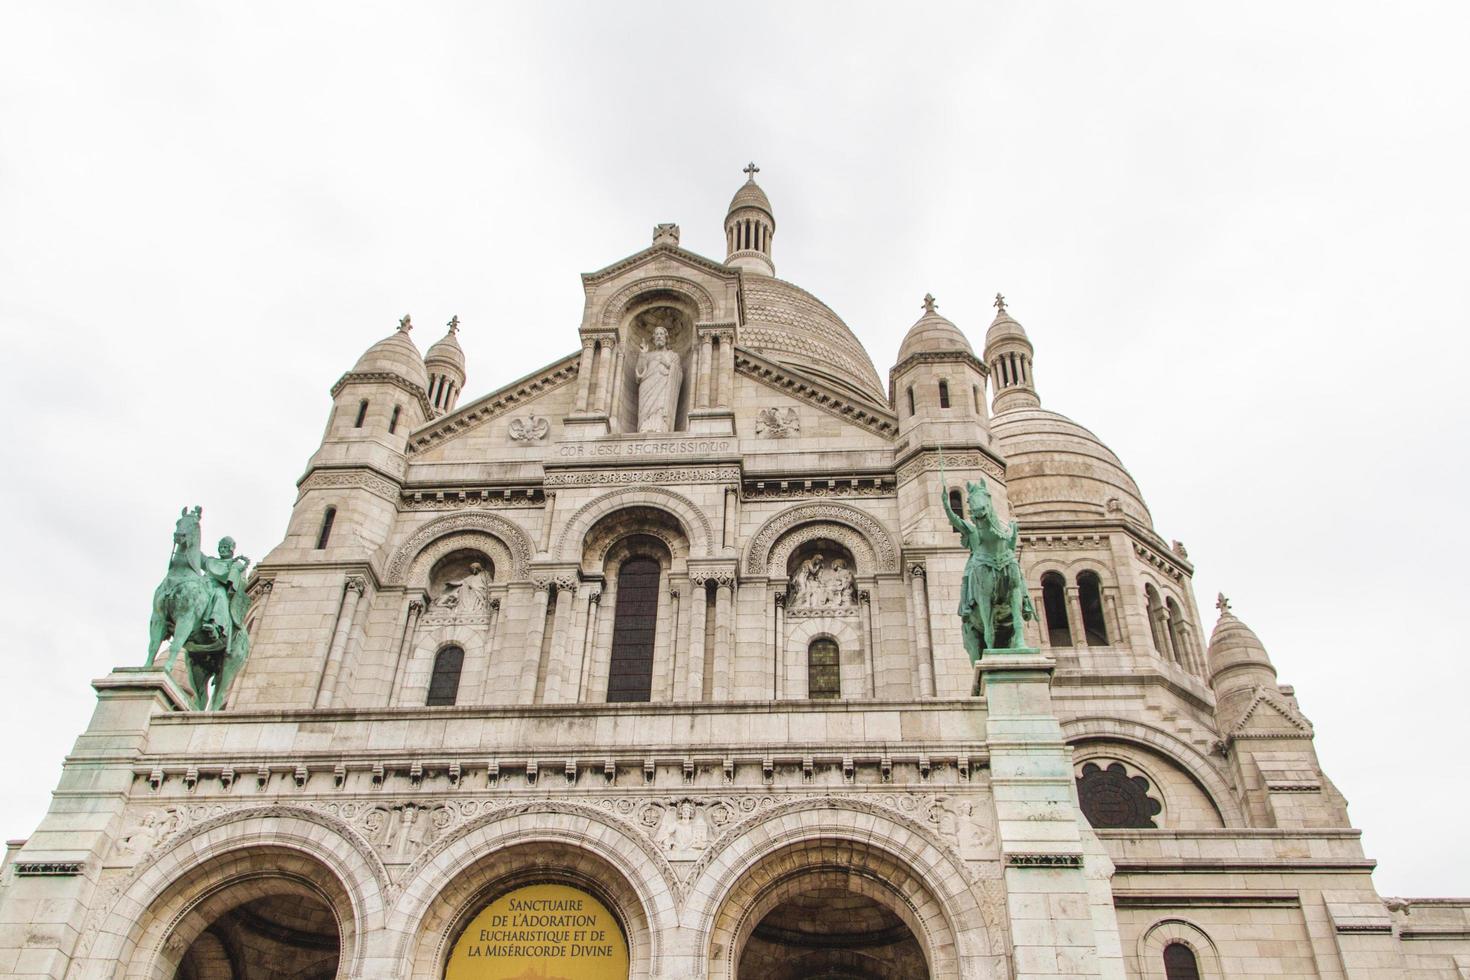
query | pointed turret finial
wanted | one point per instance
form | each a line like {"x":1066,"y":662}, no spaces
{"x":453,"y":324}
{"x":406,"y":324}
{"x":929,"y":303}
{"x":751,"y":170}
{"x":1000,"y":303}
{"x":1223,"y":604}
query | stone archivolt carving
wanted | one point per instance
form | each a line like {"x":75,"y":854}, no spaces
{"x":765,"y":557}
{"x":680,"y":507}
{"x":529,"y":428}
{"x":928,"y":462}
{"x":513,"y":539}
{"x":777,"y":423}
{"x":613,"y":310}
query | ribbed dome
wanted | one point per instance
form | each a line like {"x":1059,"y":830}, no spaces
{"x":1004,"y":327}
{"x":933,"y":334}
{"x":790,"y":325}
{"x":446,"y":350}
{"x":750,"y":195}
{"x":1234,"y":645}
{"x":1057,"y":470}
{"x":394,"y":354}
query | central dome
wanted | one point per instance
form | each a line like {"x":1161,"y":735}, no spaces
{"x":1057,"y":470}
{"x":790,"y":325}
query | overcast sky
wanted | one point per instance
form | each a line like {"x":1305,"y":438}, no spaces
{"x":1237,"y":235}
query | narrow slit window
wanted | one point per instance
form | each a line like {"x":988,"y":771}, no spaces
{"x":361,"y":414}
{"x":943,"y":393}
{"x":911,"y":399}
{"x":393,"y":422}
{"x":325,"y":534}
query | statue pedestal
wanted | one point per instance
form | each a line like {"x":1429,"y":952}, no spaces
{"x":711,"y":422}
{"x":1029,"y":659}
{"x":134,"y":683}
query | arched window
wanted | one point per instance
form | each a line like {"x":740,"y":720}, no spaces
{"x":444,"y":684}
{"x":1156,"y":616}
{"x":393,"y":422}
{"x":943,"y":393}
{"x":975,"y":390}
{"x":1089,"y":594}
{"x":361,"y":414}
{"x":911,"y":399}
{"x":1179,"y":962}
{"x":823,"y":670}
{"x":325,"y":534}
{"x":630,"y":674}
{"x":956,"y":504}
{"x":1178,"y":633}
{"x":1054,"y":602}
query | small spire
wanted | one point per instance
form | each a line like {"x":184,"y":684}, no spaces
{"x":751,"y":170}
{"x":929,"y":303}
{"x":453,"y":324}
{"x":1000,"y":303}
{"x":1223,"y":604}
{"x":406,"y":324}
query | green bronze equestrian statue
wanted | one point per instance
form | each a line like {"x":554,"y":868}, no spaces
{"x":200,"y":608}
{"x":993,"y":593}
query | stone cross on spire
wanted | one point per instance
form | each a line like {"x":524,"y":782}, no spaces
{"x":1000,"y":303}
{"x":406,"y":324}
{"x":1223,"y":604}
{"x":751,"y":170}
{"x":454,"y":324}
{"x":929,"y":303}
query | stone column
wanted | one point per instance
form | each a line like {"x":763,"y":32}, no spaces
{"x":865,"y":610}
{"x":919,"y":603}
{"x":584,"y":375}
{"x":535,"y":630}
{"x":547,"y":512}
{"x":732,"y":500}
{"x":1117,"y":627}
{"x":724,"y":636}
{"x":604,"y":375}
{"x":1060,"y":922}
{"x":778,"y":646}
{"x":412,"y":612}
{"x":611,"y":395}
{"x":697,"y":612}
{"x":666,"y":685}
{"x":492,"y":650}
{"x":727,"y":370}
{"x":1074,"y":614}
{"x":346,"y":612}
{"x":705,"y":366}
{"x":557,"y":665}
{"x":589,"y":630}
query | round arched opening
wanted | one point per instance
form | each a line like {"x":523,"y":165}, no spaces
{"x":260,"y":930}
{"x":832,"y":932}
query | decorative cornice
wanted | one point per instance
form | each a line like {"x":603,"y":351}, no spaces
{"x":497,"y":403}
{"x":1044,"y":860}
{"x":936,"y":357}
{"x":927,"y":460}
{"x":658,"y":475}
{"x":718,"y":269}
{"x":790,"y":381}
{"x":49,"y":869}
{"x":384,"y":378}
{"x":354,"y":478}
{"x":805,"y":488}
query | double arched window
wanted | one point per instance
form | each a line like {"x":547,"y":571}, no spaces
{"x":444,"y":682}
{"x":1059,"y":625}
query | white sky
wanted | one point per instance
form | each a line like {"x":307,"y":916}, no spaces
{"x":1237,"y":241}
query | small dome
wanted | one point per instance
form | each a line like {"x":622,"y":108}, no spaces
{"x":1234,"y":644}
{"x":395,"y":354}
{"x":750,"y":195}
{"x":1057,"y":470}
{"x":1004,"y":327}
{"x":933,"y":334}
{"x":446,"y":350}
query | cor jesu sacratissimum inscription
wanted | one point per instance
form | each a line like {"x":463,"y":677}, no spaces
{"x":545,"y":932}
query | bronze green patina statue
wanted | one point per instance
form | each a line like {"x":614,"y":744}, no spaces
{"x":200,"y":608}
{"x":993,"y":594}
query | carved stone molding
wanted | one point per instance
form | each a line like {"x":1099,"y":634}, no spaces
{"x":495,"y":404}
{"x":355,"y":479}
{"x":663,"y":475}
{"x":806,"y":489}
{"x":685,"y":511}
{"x":927,"y":462}
{"x":777,"y":423}
{"x":515,"y":540}
{"x":617,"y":305}
{"x":356,"y":583}
{"x":870,"y":417}
{"x":876,"y":540}
{"x":529,"y":428}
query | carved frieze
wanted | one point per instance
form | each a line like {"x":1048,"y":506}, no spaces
{"x":972,"y":460}
{"x":529,"y":428}
{"x":358,"y":479}
{"x":777,"y":423}
{"x":665,"y":475}
{"x":876,"y":537}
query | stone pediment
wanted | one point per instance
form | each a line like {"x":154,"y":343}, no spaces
{"x":1269,"y":715}
{"x":710,"y":289}
{"x":514,"y":397}
{"x":796,"y":384}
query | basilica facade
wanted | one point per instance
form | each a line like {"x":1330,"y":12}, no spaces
{"x":647,"y":664}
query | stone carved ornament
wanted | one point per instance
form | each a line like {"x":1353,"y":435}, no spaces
{"x":821,"y":586}
{"x":777,"y":423}
{"x":468,"y":596}
{"x":529,"y":428}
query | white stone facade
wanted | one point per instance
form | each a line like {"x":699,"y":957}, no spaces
{"x":680,"y":749}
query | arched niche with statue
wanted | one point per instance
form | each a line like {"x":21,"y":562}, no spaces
{"x":659,"y":365}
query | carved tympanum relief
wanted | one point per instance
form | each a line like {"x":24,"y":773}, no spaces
{"x":529,"y":428}
{"x":821,"y":584}
{"x":777,"y":423}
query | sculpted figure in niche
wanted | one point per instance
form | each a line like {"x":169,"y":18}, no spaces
{"x":806,"y":583}
{"x":659,"y":376}
{"x":838,"y":591}
{"x":466,"y":595}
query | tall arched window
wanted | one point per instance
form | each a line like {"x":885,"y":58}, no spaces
{"x":956,"y":504}
{"x":911,"y":399}
{"x":1089,"y":595}
{"x":630,"y":674}
{"x":1179,"y":962}
{"x":943,"y":393}
{"x":361,"y":414}
{"x":1156,"y":616}
{"x":1054,"y":601}
{"x":444,"y":684}
{"x":393,"y":422}
{"x":823,"y":670}
{"x":1178,"y":633}
{"x":325,"y":534}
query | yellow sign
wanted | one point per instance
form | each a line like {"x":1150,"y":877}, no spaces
{"x":541,"y":932}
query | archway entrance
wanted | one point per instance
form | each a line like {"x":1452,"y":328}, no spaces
{"x":267,"y":929}
{"x":830,"y":932}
